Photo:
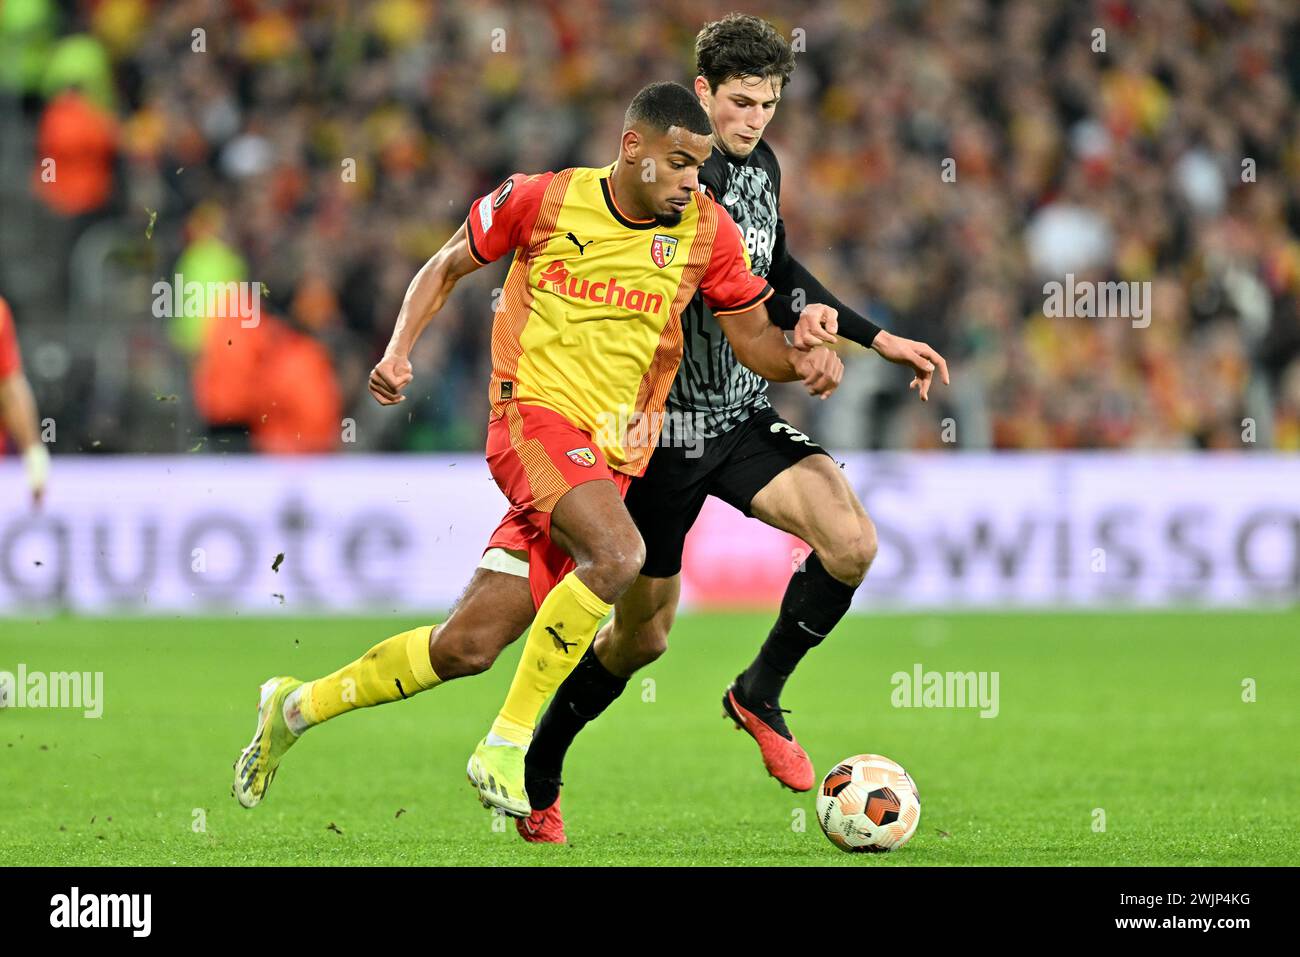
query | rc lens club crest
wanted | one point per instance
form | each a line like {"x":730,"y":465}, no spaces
{"x":662,"y":249}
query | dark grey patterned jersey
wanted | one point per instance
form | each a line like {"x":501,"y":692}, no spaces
{"x":713,"y":392}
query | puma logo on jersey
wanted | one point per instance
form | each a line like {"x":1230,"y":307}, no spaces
{"x":582,"y":247}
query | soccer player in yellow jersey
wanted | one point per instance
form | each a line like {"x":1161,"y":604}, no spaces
{"x":722,"y":439}
{"x":585,"y":344}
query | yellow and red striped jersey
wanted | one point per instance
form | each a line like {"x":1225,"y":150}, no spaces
{"x":588,"y":323}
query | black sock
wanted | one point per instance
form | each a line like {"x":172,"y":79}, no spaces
{"x":814,"y":603}
{"x":588,"y":691}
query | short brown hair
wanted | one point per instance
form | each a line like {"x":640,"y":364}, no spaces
{"x":741,"y":45}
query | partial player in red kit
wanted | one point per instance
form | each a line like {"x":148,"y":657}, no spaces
{"x":18,"y":427}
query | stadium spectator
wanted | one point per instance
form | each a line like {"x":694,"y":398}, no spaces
{"x":271,"y":382}
{"x":337,"y":147}
{"x":77,"y":146}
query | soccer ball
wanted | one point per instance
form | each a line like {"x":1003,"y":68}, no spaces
{"x":868,"y":803}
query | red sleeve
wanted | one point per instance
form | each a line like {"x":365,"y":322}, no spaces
{"x":10,"y":360}
{"x":503,"y":220}
{"x":728,"y":285}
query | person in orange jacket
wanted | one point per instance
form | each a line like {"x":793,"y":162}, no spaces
{"x":272,"y":379}
{"x":76,"y":147}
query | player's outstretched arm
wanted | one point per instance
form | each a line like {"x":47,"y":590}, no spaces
{"x":18,"y":411}
{"x":18,"y":418}
{"x":761,"y":347}
{"x":426,"y":294}
{"x":818,"y":326}
{"x":918,"y":356}
{"x":825,"y":317}
{"x":758,"y":343}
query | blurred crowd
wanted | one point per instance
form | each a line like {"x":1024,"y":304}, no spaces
{"x":942,"y":161}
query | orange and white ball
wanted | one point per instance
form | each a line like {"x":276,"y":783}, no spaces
{"x":868,"y":803}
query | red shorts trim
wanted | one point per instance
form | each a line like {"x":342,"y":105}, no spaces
{"x":536,"y":457}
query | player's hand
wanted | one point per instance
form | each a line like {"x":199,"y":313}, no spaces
{"x":36,"y":461}
{"x":389,"y":378}
{"x":923,"y":360}
{"x":820,"y":369}
{"x":817,"y":326}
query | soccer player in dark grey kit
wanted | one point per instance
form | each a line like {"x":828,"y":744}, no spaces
{"x":722,"y":437}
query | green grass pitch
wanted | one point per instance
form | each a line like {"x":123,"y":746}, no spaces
{"x":1140,"y":715}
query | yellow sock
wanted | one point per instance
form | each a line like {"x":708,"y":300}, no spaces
{"x":565,"y":625}
{"x":396,"y":668}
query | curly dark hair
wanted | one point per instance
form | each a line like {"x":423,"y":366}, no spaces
{"x":741,"y":45}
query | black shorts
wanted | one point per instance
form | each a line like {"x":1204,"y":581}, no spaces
{"x":733,"y":466}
